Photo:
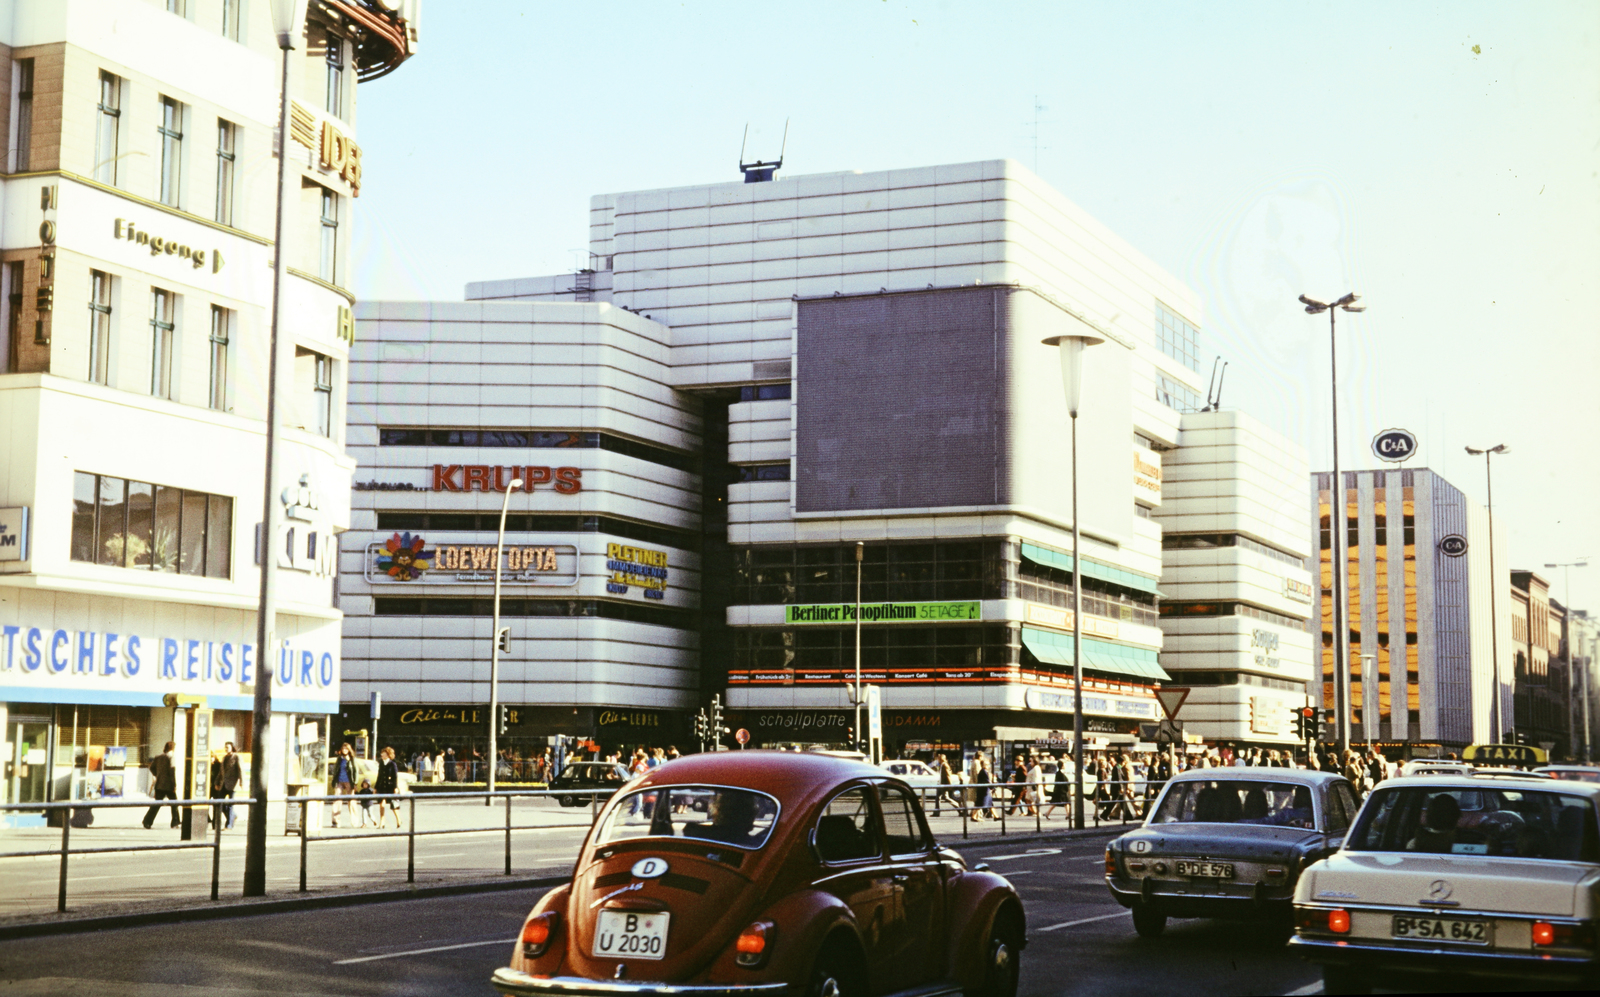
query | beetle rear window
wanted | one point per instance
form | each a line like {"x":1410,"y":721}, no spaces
{"x":1487,"y":821}
{"x":728,"y":816}
{"x":1236,"y":801}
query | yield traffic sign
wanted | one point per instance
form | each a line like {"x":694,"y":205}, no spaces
{"x":1171,"y":699}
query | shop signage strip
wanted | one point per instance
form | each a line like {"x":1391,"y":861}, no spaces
{"x":884,"y":612}
{"x":406,"y":557}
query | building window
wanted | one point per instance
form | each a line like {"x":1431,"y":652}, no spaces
{"x":99,"y":327}
{"x":489,"y":522}
{"x":136,"y":524}
{"x":763,"y":392}
{"x":1177,"y":338}
{"x":586,"y":608}
{"x":764,"y":472}
{"x":24,"y":114}
{"x":13,"y":318}
{"x":171,"y":132}
{"x":219,"y":359}
{"x":161,"y":342}
{"x":334,"y":102}
{"x":179,"y":7}
{"x":225,"y":156}
{"x":1175,"y":396}
{"x":327,"y":260}
{"x":107,"y":120}
{"x":231,"y":28}
{"x":322,"y":394}
{"x":536,"y":439}
{"x":1207,"y":541}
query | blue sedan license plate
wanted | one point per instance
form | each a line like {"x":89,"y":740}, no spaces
{"x":1442,"y":929}
{"x":1204,"y":870}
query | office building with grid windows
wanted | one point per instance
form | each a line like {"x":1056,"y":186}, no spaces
{"x":813,"y":362}
{"x":135,"y":263}
{"x":1421,"y":645}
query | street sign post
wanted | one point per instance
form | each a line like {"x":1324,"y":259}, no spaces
{"x":1171,"y":699}
{"x":742,"y":736}
{"x":874,"y":723}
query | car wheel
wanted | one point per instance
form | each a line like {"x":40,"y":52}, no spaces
{"x":567,"y":801}
{"x":1149,"y":923}
{"x":1002,"y":957}
{"x":835,"y":975}
{"x":1341,"y":980}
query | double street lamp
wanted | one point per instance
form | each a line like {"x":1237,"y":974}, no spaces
{"x":288,"y":16}
{"x":1071,"y":348}
{"x":1337,"y":515}
{"x":1497,"y":725}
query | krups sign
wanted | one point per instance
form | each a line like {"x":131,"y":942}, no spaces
{"x":1394,"y":445}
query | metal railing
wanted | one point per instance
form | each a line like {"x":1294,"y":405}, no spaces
{"x":65,"y":850}
{"x":1119,"y":803}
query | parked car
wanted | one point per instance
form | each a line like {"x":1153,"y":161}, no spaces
{"x":1228,"y":843}
{"x":1572,"y":773}
{"x":911,"y":772}
{"x":581,"y":782}
{"x":804,"y":872}
{"x":1489,"y":876}
{"x":1433,"y":766}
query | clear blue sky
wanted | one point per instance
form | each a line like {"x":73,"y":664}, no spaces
{"x":1439,"y":158}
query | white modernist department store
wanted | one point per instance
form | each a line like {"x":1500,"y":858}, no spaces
{"x":750,"y":379}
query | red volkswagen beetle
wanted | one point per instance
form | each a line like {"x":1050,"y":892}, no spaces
{"x":753,"y":872}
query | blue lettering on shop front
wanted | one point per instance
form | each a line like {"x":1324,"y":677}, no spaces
{"x":103,"y":654}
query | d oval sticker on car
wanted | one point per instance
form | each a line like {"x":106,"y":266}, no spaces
{"x":649,"y":868}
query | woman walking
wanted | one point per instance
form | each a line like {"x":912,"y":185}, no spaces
{"x":1060,"y":791}
{"x":388,"y":782}
{"x":983,"y":778}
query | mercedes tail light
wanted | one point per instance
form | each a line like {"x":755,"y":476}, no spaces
{"x":1333,"y":920}
{"x":1547,"y":934}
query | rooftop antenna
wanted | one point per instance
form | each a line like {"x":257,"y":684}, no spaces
{"x":758,"y":171}
{"x":1214,"y":390}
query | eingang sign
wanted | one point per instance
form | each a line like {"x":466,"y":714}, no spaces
{"x":884,"y":612}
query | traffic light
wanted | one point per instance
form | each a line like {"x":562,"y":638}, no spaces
{"x":702,"y":728}
{"x":1306,"y":723}
{"x":717,"y":728}
{"x":503,"y":639}
{"x":505,"y":718}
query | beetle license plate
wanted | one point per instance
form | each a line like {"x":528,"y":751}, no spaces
{"x":1442,"y":929}
{"x":1207,"y":870}
{"x":631,"y":934}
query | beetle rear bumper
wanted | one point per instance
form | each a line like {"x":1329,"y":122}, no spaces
{"x":519,"y":984}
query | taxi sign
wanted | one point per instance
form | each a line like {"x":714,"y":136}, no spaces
{"x":1504,"y":754}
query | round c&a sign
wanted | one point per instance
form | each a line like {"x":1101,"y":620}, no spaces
{"x":1453,"y":545}
{"x":1394,"y":445}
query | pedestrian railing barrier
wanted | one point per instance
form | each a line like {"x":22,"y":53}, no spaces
{"x":1111,"y":803}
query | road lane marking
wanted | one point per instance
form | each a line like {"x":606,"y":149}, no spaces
{"x":1086,"y":920}
{"x":1031,"y":853}
{"x":437,"y":948}
{"x":1305,"y":991}
{"x":1019,"y":872}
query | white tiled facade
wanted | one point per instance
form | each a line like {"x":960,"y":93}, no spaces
{"x":1237,"y":583}
{"x":730,"y":270}
{"x":136,"y":351}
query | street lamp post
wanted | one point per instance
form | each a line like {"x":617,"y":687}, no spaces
{"x":1566,"y":594}
{"x":287,"y":18}
{"x":1337,"y":516}
{"x":494,"y":652}
{"x":1071,"y":350}
{"x":1497,"y":728}
{"x":855,"y":732}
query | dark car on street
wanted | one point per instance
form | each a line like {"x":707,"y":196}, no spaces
{"x":581,"y":782}
{"x":768,"y":872}
{"x":1228,"y":843}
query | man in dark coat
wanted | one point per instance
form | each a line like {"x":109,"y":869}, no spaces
{"x":163,"y":784}
{"x":229,"y":780}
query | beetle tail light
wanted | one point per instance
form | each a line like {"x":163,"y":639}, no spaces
{"x":537,"y":932}
{"x":755,"y":943}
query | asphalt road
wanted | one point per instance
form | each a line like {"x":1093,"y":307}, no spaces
{"x":1081,"y":943}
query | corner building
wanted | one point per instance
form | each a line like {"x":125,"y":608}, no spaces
{"x":840,"y":358}
{"x":135,"y":255}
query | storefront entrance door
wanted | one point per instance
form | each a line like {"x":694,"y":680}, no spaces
{"x":28,"y":764}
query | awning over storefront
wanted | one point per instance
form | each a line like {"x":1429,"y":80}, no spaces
{"x":1091,"y":568}
{"x":1116,"y":659}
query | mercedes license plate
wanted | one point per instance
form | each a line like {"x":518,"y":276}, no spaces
{"x":1442,"y":929}
{"x":1207,"y":870}
{"x":630,"y":934}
